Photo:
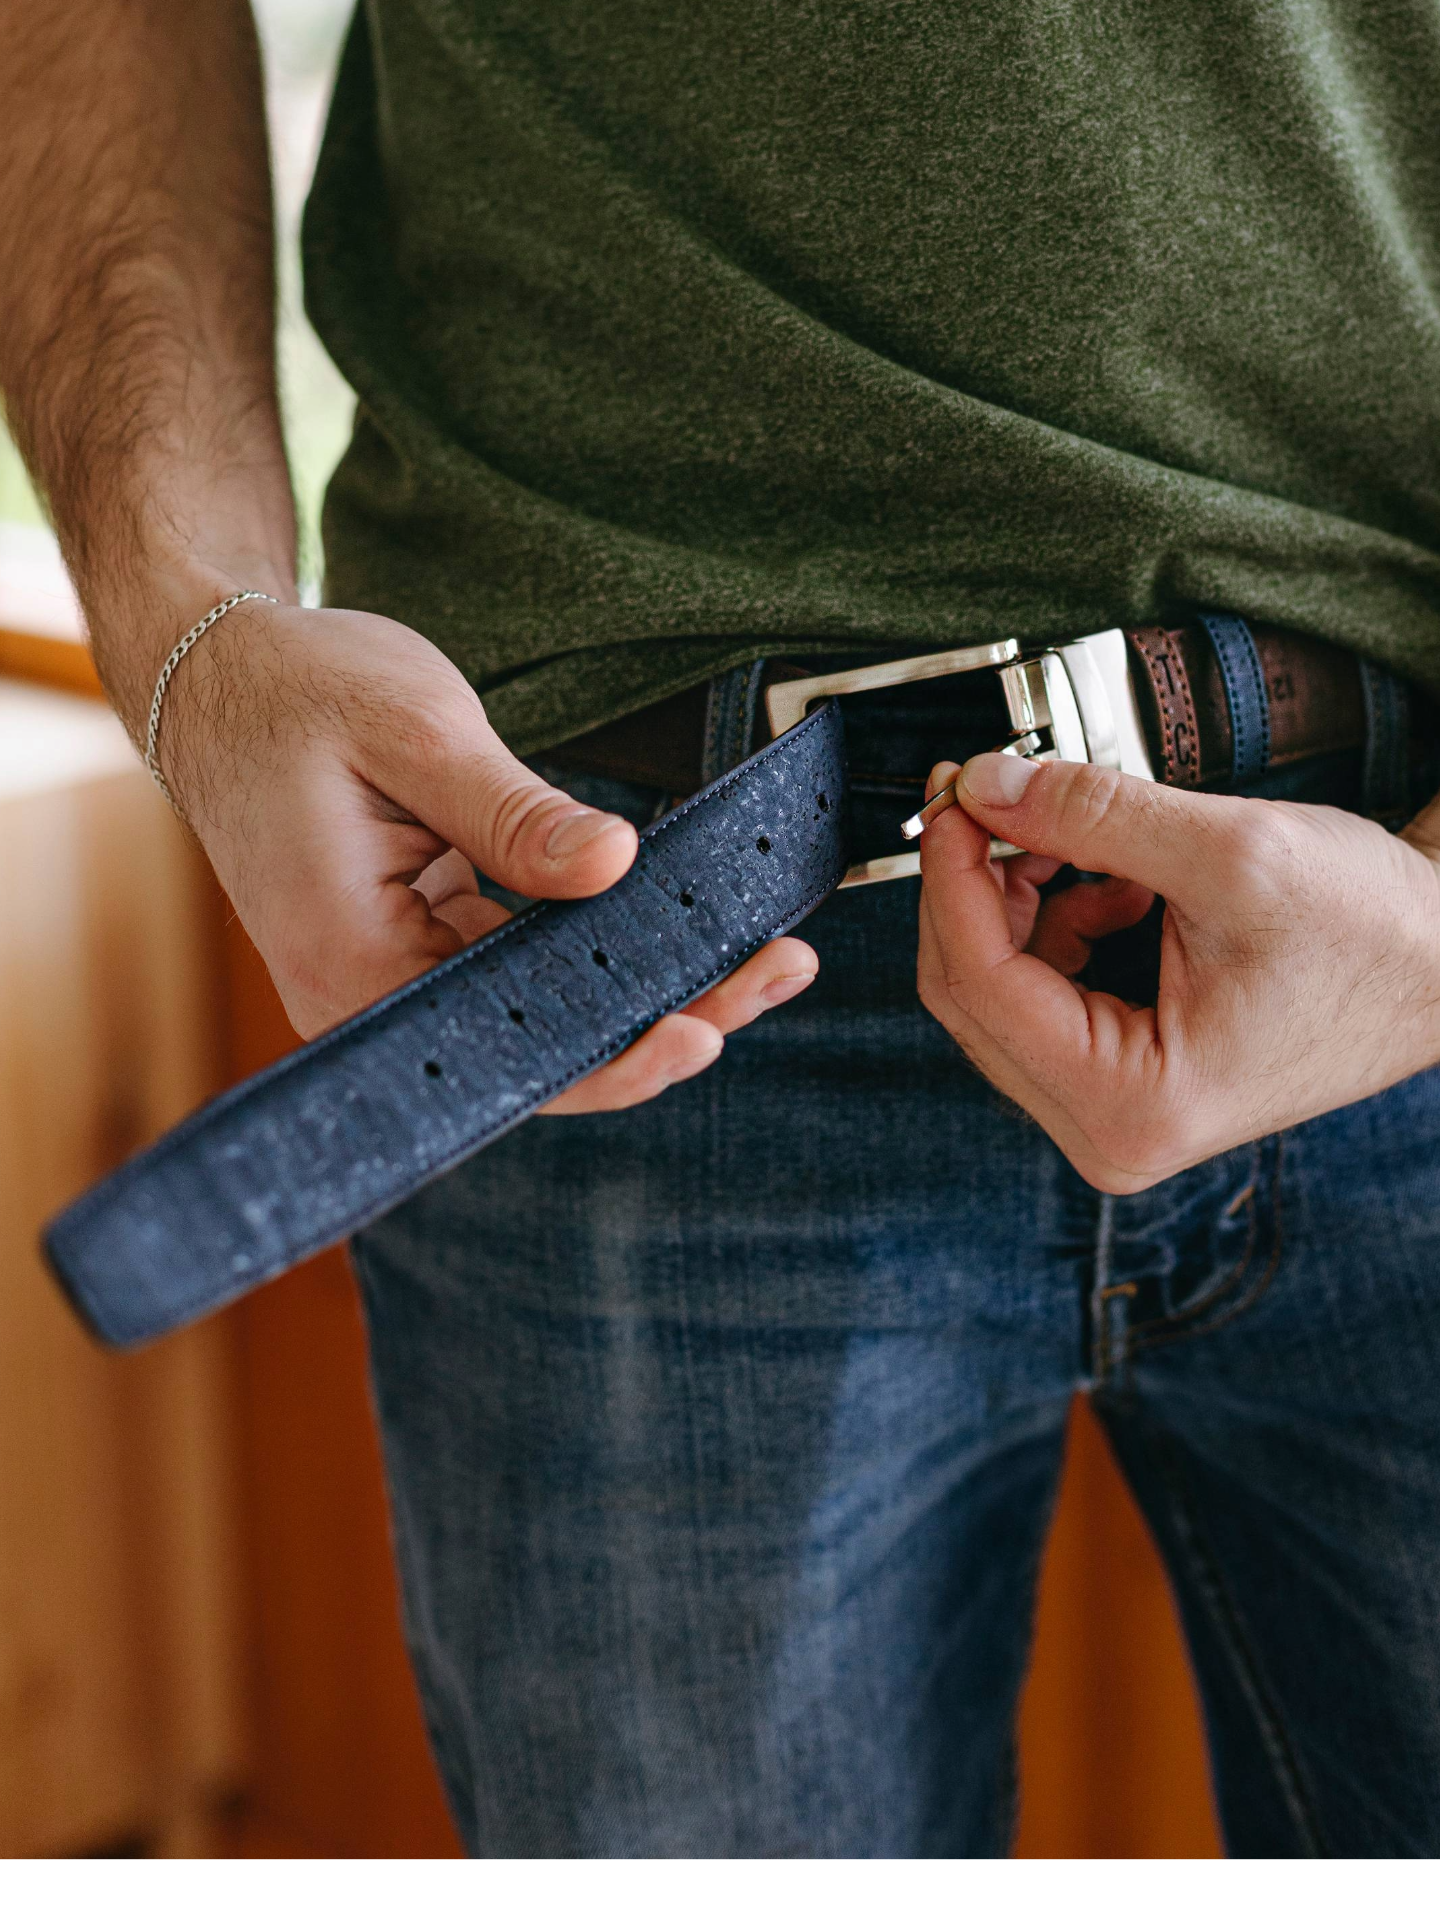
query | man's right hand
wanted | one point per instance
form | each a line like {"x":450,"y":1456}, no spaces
{"x":345,"y":783}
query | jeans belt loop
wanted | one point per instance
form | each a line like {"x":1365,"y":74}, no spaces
{"x":1385,"y":779}
{"x":731,"y":702}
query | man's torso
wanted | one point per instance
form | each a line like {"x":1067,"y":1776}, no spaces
{"x":687,"y":333}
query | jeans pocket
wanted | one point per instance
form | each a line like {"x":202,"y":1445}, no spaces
{"x":1222,"y":1250}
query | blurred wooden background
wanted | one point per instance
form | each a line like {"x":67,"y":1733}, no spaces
{"x":199,"y":1643}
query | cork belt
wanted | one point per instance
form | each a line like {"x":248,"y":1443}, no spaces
{"x":344,"y":1129}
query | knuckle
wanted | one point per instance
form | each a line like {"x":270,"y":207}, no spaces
{"x":431,"y":718}
{"x":1255,"y":847}
{"x":514,"y":812}
{"x":1090,"y":799}
{"x":434,"y":721}
{"x":1105,"y":806}
{"x":425,"y":727}
{"x":942,"y":985}
{"x":933,"y":994}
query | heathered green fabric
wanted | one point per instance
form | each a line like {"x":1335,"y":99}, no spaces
{"x":901,"y":322}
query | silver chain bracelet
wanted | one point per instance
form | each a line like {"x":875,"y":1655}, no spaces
{"x":200,"y":628}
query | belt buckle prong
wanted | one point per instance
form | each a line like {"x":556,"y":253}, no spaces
{"x":1070,"y":702}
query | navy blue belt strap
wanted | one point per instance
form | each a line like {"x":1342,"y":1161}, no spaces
{"x":1245,"y":695}
{"x":346,"y":1128}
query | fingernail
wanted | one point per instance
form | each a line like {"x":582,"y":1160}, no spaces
{"x":786,"y":988}
{"x":572,"y":831}
{"x":998,"y":779}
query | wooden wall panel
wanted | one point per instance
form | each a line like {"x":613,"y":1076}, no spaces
{"x":48,"y":662}
{"x":120,"y":1709}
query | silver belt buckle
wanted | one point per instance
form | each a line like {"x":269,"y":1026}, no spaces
{"x":1071,"y":702}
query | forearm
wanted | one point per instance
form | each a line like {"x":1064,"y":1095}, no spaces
{"x":136,"y":344}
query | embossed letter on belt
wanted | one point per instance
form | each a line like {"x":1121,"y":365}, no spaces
{"x":339,"y":1132}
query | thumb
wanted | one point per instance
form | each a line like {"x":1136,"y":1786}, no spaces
{"x":1095,"y":819}
{"x":456,"y":775}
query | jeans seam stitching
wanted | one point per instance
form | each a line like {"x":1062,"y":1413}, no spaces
{"x":1229,"y":1624}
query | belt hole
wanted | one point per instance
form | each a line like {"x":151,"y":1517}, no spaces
{"x":600,"y":958}
{"x":762,"y":845}
{"x":432,"y":1069}
{"x":822,"y":800}
{"x":517,"y":1016}
{"x":687,"y":899}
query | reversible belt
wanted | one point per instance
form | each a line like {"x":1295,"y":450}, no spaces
{"x":345,"y":1128}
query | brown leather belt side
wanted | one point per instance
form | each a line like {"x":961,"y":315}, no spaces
{"x":1316,"y":707}
{"x":1316,"y":702}
{"x":663,"y":745}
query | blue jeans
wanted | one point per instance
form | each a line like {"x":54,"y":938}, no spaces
{"x":723,"y":1435}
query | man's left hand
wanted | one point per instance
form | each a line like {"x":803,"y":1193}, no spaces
{"x":1300,"y":959}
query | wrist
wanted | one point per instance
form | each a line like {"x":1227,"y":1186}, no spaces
{"x":137,"y":609}
{"x":214,"y":684}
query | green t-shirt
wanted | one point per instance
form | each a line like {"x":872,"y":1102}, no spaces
{"x":686,"y":330}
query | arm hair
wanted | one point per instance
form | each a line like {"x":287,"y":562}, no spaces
{"x":137,"y":312}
